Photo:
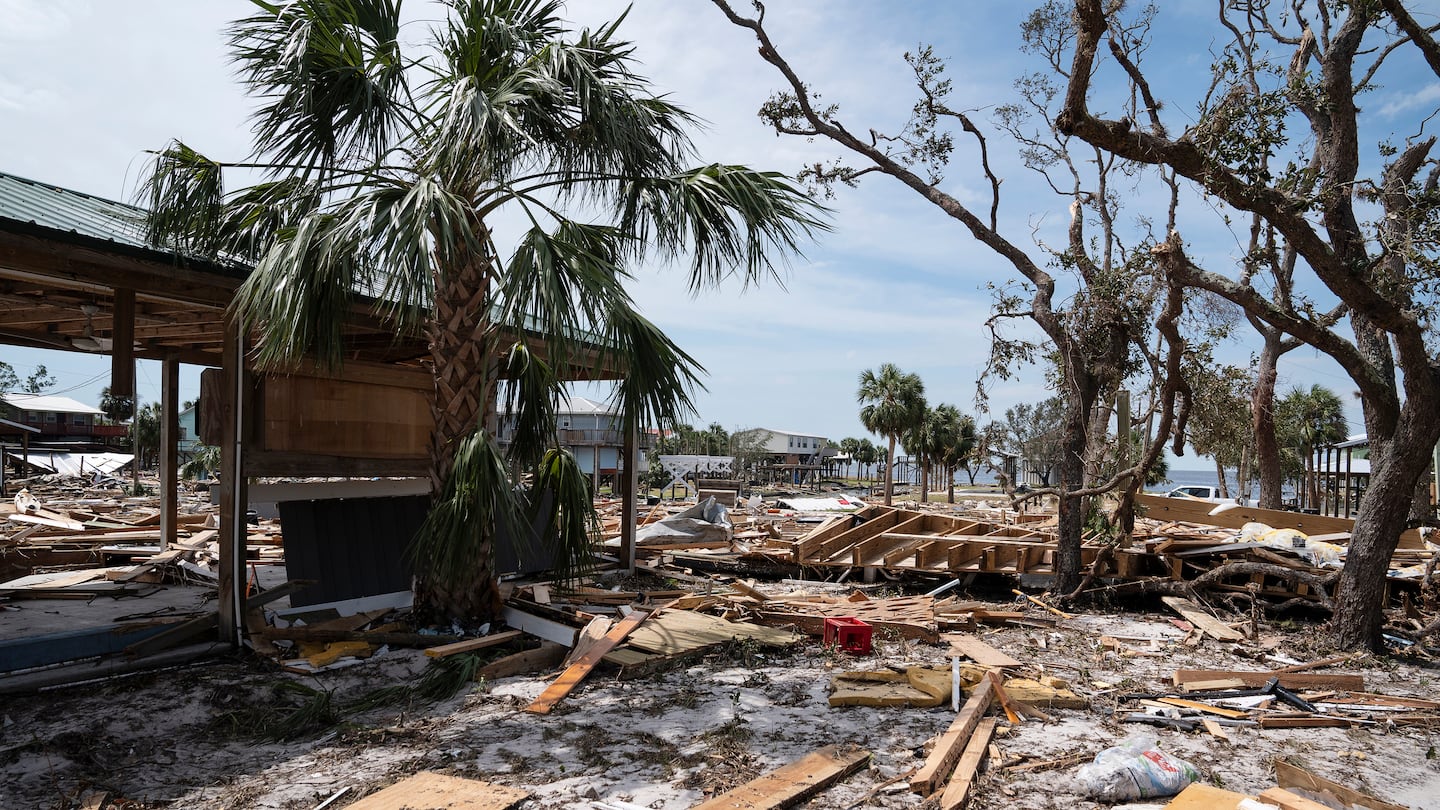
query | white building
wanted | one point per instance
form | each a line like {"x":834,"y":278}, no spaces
{"x":591,"y":431}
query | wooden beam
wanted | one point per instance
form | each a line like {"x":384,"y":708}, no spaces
{"x":576,"y":672}
{"x":1189,"y":510}
{"x":792,"y":783}
{"x":1212,"y":626}
{"x":950,"y":745}
{"x":122,"y":346}
{"x":169,"y":452}
{"x":471,"y":645}
{"x":233,"y":529}
{"x":1289,"y":680}
{"x":957,"y":790}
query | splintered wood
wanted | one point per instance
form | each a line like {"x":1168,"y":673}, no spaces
{"x":793,"y":783}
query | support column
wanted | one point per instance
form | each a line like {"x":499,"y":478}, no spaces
{"x":169,"y":450}
{"x":233,"y":494}
{"x":630,"y":471}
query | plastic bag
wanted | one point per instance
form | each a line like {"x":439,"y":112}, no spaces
{"x":1136,"y":769}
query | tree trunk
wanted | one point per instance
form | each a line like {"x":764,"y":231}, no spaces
{"x":1360,"y":593}
{"x":1071,"y":511}
{"x":462,"y":399}
{"x":950,"y":485}
{"x":890,"y":473}
{"x":1262,"y":422}
{"x":1220,"y":478}
{"x":924,"y":480}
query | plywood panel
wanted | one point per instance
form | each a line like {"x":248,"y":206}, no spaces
{"x":315,"y":415}
{"x":428,"y":790}
{"x":1187,"y":510}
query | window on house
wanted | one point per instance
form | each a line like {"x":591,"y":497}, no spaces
{"x":49,"y":417}
{"x":82,"y":419}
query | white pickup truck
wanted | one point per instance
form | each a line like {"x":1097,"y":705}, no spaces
{"x":1201,"y":493}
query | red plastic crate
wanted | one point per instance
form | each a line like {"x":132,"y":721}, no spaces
{"x":849,"y":634}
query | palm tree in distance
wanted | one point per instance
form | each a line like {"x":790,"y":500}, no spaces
{"x":922,"y":440}
{"x":955,"y":440}
{"x":892,"y":401}
{"x":496,"y":180}
{"x":1308,"y":420}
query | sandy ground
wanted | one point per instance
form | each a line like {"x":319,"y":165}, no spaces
{"x":178,"y":738}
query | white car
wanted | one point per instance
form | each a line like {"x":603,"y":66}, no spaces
{"x":1201,"y":493}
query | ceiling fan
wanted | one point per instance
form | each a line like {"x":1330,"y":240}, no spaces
{"x":87,"y":340}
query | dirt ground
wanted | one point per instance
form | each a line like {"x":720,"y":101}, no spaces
{"x":187,"y":737}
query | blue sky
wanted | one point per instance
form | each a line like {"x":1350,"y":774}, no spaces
{"x":86,"y":86}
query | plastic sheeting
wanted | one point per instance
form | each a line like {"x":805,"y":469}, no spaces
{"x":64,"y":463}
{"x":704,"y":522}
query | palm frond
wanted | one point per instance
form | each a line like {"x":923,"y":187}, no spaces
{"x":563,"y":500}
{"x":659,"y":377}
{"x":184,"y":194}
{"x":299,"y":296}
{"x":729,"y":218}
{"x":530,"y":395}
{"x":251,"y":221}
{"x":456,"y":543}
{"x":330,"y":76}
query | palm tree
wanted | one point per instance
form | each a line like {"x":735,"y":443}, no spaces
{"x":439,"y":179}
{"x":867,"y":454}
{"x":922,"y":441}
{"x":892,"y":401}
{"x":1308,"y":420}
{"x":954,"y":442}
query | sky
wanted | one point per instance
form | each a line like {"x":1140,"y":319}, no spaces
{"x":87,"y":86}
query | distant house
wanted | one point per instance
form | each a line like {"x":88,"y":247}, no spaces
{"x":591,"y":431}
{"x":189,"y":436}
{"x":799,"y":455}
{"x":57,"y":420}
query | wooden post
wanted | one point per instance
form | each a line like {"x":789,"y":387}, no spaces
{"x":630,"y":467}
{"x":169,"y":450}
{"x":233,"y":494}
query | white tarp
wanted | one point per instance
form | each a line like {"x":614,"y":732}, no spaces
{"x":74,"y":463}
{"x":837,"y":504}
{"x":705,"y":522}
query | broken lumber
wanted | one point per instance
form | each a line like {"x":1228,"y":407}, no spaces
{"x":957,"y":790}
{"x":576,"y":672}
{"x":471,"y":645}
{"x":978,"y":651}
{"x":950,"y":745}
{"x":1258,"y":679}
{"x":428,"y":790}
{"x":1208,"y":624}
{"x":792,"y":783}
{"x":546,"y":656}
{"x":1294,"y":776}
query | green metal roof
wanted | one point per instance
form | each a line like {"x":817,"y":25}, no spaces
{"x":61,"y":209}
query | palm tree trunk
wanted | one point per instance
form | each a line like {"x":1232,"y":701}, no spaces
{"x":462,"y":401}
{"x":890,"y":473}
{"x":924,"y":480}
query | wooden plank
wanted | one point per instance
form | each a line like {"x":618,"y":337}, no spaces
{"x":428,"y":790}
{"x":576,"y":672}
{"x":950,"y":745}
{"x":1216,"y":730}
{"x":792,"y":783}
{"x":957,"y":790}
{"x":978,"y":651}
{"x":1233,"y":714}
{"x":547,"y":655}
{"x":1289,"y":680}
{"x":1212,"y":626}
{"x":1293,"y":776}
{"x":1290,"y":801}
{"x":997,"y":685}
{"x":470,"y":645}
{"x":1201,"y":796}
{"x":1160,"y":507}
